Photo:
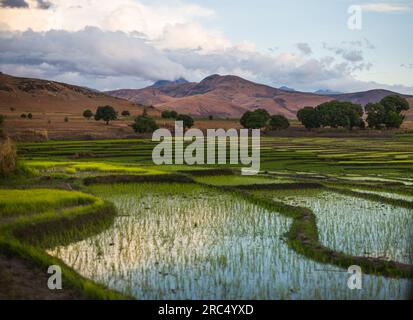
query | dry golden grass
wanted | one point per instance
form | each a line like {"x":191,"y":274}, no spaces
{"x":8,"y":158}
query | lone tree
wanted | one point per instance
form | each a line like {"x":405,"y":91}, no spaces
{"x":88,"y":114}
{"x":125,"y":113}
{"x":106,"y":113}
{"x":187,"y":120}
{"x":144,"y":124}
{"x":279,"y":122}
{"x":387,"y":112}
{"x":23,"y":116}
{"x":309,"y":117}
{"x":30,"y":116}
{"x":256,"y":119}
{"x":169,"y":114}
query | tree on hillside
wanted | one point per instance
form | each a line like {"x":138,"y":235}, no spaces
{"x":88,"y":114}
{"x":125,"y":113}
{"x":279,"y":122}
{"x":106,"y":113}
{"x":30,"y":116}
{"x":187,"y":120}
{"x":256,"y":119}
{"x":144,"y":124}
{"x":2,"y":118}
{"x":169,"y":114}
{"x":309,"y":117}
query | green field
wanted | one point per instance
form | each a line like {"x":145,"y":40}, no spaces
{"x":123,"y":227}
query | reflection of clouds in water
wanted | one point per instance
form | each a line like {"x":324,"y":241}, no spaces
{"x":357,"y":226}
{"x":209,"y":247}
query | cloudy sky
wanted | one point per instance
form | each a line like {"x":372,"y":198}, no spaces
{"x":306,"y":45}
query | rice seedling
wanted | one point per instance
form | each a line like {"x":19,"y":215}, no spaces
{"x":174,"y":241}
{"x":358,"y":227}
{"x":239,"y":180}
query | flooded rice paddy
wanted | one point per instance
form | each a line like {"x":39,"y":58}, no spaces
{"x":356,"y":226}
{"x":175,"y":241}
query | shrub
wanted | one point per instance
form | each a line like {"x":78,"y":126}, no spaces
{"x":169,"y":114}
{"x":2,"y":118}
{"x":23,"y":116}
{"x":8,"y":158}
{"x":30,"y":116}
{"x":187,"y":120}
{"x":144,"y":124}
{"x":125,"y":113}
{"x":66,"y":119}
{"x":256,"y":119}
{"x":88,"y":114}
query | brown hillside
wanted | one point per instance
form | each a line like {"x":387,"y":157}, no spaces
{"x":41,"y":96}
{"x":231,"y":96}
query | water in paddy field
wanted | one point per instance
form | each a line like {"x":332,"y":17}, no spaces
{"x":199,"y":244}
{"x":358,"y":226}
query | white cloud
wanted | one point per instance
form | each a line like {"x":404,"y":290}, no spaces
{"x":386,"y":7}
{"x":124,"y":43}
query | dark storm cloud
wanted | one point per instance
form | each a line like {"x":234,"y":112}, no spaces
{"x":41,"y":4}
{"x":13,"y":4}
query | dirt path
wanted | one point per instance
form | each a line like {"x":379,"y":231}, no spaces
{"x":20,"y":280}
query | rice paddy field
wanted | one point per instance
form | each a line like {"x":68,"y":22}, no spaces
{"x":318,"y":206}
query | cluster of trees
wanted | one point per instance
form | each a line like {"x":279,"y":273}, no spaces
{"x":143,"y":123}
{"x":26,"y":116}
{"x":105,"y":113}
{"x":334,"y":114}
{"x":169,"y":114}
{"x":260,"y":118}
{"x":387,"y":113}
{"x":187,"y":120}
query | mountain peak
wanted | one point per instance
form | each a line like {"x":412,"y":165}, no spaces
{"x":161,"y":83}
{"x":327,"y":92}
{"x":285,"y":88}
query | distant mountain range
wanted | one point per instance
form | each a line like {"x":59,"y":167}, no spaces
{"x":326,"y":92}
{"x":223,"y":96}
{"x":231,"y":96}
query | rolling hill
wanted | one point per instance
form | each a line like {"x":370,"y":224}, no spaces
{"x":42,"y":96}
{"x":230,"y":96}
